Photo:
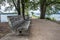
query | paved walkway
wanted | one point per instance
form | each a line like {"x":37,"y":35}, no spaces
{"x":40,"y":30}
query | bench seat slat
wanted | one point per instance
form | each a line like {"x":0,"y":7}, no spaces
{"x":25,"y":26}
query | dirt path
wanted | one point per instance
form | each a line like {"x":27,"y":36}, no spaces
{"x":44,"y":30}
{"x":4,"y":29}
{"x":40,"y":30}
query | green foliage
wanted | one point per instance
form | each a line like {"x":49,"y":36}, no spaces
{"x":48,"y":18}
{"x":1,"y":1}
{"x":52,"y":19}
{"x":34,"y":4}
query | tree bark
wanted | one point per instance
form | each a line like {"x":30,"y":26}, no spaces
{"x":18,"y":7}
{"x":43,"y":9}
{"x":23,"y":8}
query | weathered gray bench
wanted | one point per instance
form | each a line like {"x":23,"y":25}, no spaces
{"x":19,"y":25}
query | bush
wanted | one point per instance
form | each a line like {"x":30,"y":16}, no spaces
{"x":52,"y":19}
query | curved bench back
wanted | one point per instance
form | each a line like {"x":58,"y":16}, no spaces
{"x":15,"y":21}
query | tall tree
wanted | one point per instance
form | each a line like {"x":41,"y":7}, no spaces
{"x":17,"y":6}
{"x":23,"y":8}
{"x":44,"y":4}
{"x":43,"y":9}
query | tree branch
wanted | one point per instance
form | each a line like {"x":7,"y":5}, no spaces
{"x":14,"y":4}
{"x":52,"y":3}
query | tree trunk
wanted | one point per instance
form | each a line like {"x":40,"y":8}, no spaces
{"x":23,"y":8}
{"x":18,"y":7}
{"x":43,"y":9}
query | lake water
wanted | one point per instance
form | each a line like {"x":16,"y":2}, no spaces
{"x":4,"y":16}
{"x":55,"y":16}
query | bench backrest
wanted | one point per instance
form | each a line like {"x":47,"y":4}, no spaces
{"x":15,"y":21}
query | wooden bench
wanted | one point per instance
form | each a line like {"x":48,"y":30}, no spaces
{"x":19,"y":25}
